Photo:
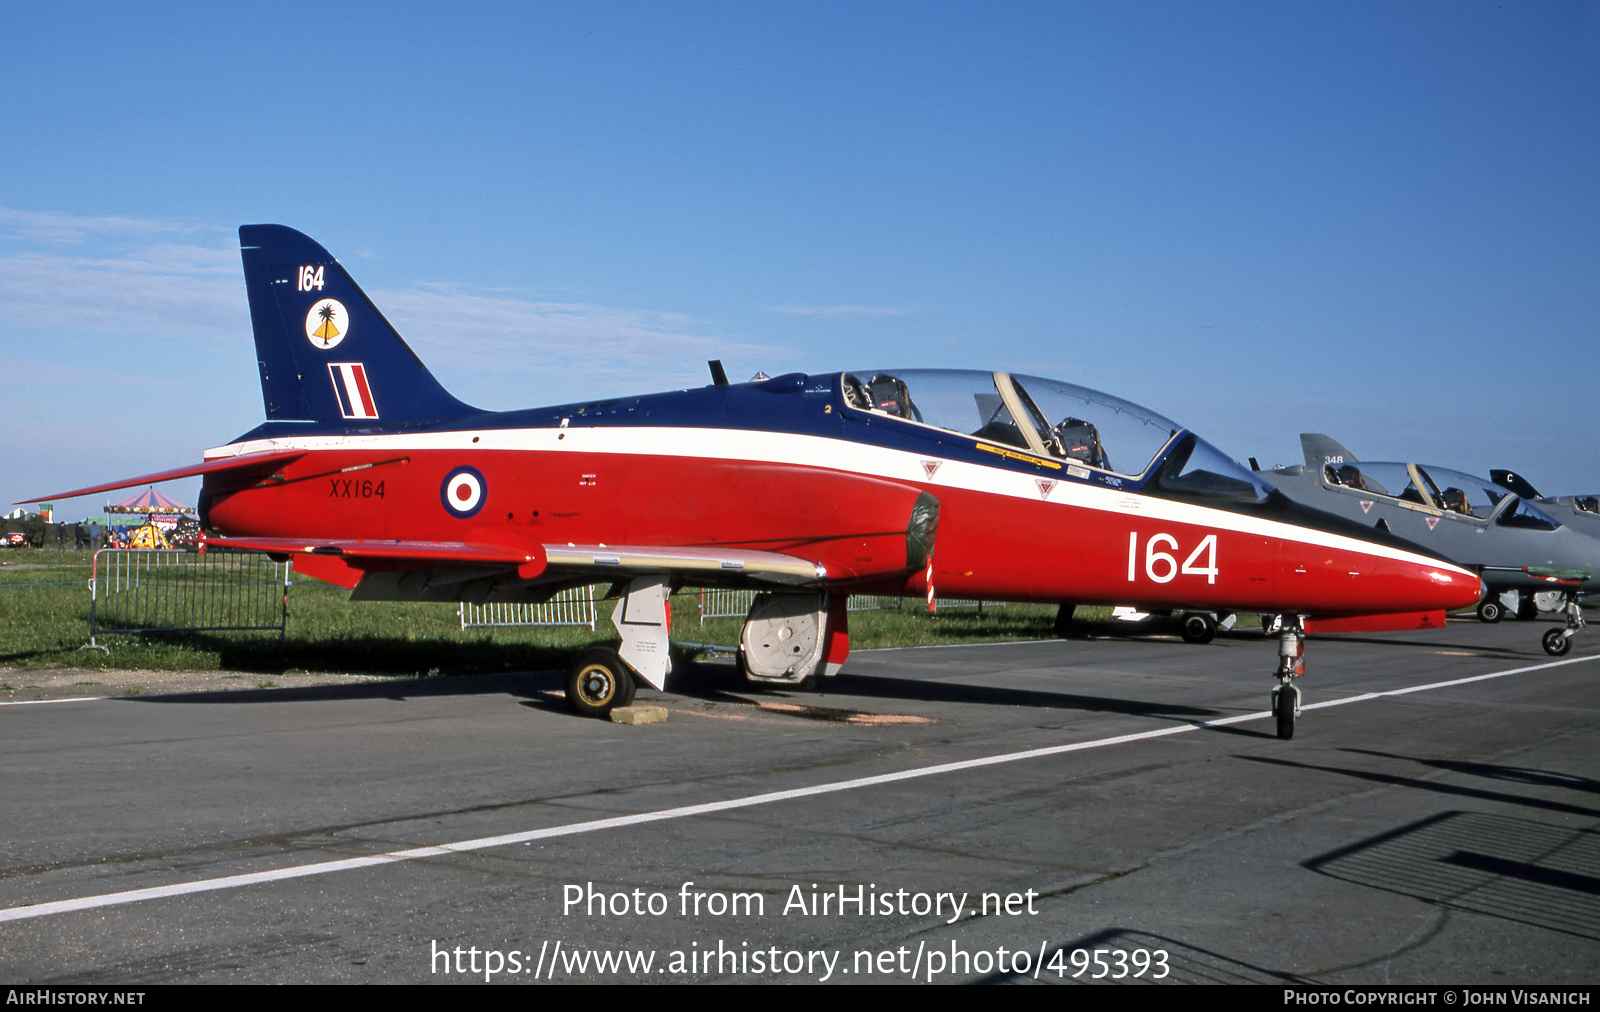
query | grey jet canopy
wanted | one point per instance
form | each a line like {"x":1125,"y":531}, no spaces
{"x":1582,"y":512}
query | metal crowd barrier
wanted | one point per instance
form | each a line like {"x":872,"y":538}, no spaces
{"x":135,"y":590}
{"x":570,"y":607}
{"x":736,"y":603}
{"x":956,"y":603}
{"x":875,"y":602}
{"x":578,"y":608}
{"x":715,"y":603}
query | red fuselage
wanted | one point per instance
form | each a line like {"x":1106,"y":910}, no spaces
{"x":1011,"y":525}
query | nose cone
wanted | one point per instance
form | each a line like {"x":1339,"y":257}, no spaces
{"x":1422,"y":583}
{"x":1343,"y":568}
{"x":1456,"y":587}
{"x":1369,"y":578}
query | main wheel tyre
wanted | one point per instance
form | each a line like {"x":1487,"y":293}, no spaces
{"x":1283,"y":710}
{"x":598,"y":682}
{"x":1198,"y":627}
{"x":1557,"y":642}
{"x":1490,"y":610}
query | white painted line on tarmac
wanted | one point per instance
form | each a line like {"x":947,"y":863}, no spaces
{"x":1430,"y":686}
{"x":36,"y":702}
{"x":688,"y":811}
{"x":948,"y":646}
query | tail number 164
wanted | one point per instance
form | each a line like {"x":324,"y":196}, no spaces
{"x":1162,"y":566}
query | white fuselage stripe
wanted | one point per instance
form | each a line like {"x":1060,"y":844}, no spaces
{"x":709,"y":808}
{"x":753,"y":446}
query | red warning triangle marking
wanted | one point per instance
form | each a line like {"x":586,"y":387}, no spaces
{"x":1433,"y":522}
{"x":1366,"y":504}
{"x":931,"y":467}
{"x":1045,"y":487}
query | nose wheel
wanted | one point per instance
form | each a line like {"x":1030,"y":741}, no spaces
{"x":1557,"y":642}
{"x":1291,"y":665}
{"x":1285,"y":708}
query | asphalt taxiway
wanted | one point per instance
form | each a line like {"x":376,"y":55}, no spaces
{"x":1119,"y":796}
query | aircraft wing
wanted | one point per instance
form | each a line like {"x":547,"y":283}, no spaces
{"x":346,"y":562}
{"x":384,"y":553}
{"x":770,"y":567}
{"x":243,"y":463}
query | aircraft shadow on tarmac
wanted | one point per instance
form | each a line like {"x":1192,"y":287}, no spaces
{"x":1518,"y":869}
{"x":1431,"y":645}
{"x":1530,"y":872}
{"x":1450,"y":790}
{"x":711,"y":682}
{"x":1490,"y":771}
{"x":531,"y":685}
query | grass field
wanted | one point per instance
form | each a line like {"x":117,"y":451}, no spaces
{"x":44,"y":606}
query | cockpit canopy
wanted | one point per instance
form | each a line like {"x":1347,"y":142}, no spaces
{"x":1049,"y":418}
{"x":1438,"y":488}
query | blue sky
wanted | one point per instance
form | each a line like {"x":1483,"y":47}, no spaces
{"x":1379,"y":221}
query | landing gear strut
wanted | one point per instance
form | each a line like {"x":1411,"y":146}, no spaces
{"x":1291,"y":665}
{"x":1527,"y":607}
{"x":1558,"y":641}
{"x":1063,"y":627}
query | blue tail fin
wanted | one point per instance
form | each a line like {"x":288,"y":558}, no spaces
{"x":326,"y":354}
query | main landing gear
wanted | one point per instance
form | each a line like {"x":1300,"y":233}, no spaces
{"x":1492,"y":608}
{"x":788,"y":639}
{"x":1199,"y":627}
{"x":1202,"y":626}
{"x":1557,"y":642}
{"x":602,"y":678}
{"x":1291,"y":665}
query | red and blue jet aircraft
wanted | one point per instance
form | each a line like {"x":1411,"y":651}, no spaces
{"x":810,"y":487}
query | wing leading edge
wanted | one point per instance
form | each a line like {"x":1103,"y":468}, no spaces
{"x":440,"y":570}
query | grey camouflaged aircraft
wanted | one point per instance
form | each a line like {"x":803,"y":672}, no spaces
{"x":1512,"y":543}
{"x":1582,"y":512}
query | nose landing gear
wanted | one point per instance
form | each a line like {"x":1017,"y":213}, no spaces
{"x":1557,"y":642}
{"x":1291,"y":665}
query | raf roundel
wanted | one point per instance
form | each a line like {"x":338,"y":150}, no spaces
{"x":327,"y":323}
{"x":462,"y":492}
